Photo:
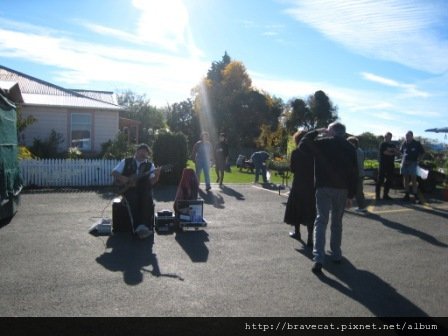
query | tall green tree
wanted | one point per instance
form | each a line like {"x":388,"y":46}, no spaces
{"x":298,"y":116}
{"x":137,"y":107}
{"x":318,"y":111}
{"x":369,"y":141}
{"x":182,"y":118}
{"x":225,"y":101}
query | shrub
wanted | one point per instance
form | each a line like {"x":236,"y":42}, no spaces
{"x":170,"y":148}
{"x":25,"y":154}
{"x":47,"y":149}
{"x":118,"y":148}
{"x":74,"y":153}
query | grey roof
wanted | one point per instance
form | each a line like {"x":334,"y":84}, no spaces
{"x":38,"y":92}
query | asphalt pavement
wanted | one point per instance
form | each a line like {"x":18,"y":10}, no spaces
{"x":243,"y":264}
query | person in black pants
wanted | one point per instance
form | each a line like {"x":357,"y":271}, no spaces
{"x":301,"y":204}
{"x":387,"y":154}
{"x":221,"y":155}
{"x":137,"y":175}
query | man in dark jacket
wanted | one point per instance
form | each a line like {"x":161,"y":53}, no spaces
{"x":387,"y":154}
{"x":412,"y":151}
{"x":259,"y":160}
{"x":336,"y":175}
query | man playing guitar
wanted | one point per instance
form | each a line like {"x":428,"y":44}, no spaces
{"x":137,"y":175}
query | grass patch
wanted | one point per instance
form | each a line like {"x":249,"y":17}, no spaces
{"x":235,"y":176}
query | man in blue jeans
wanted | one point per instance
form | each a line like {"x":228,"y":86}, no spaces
{"x":202,"y":156}
{"x":336,"y":176}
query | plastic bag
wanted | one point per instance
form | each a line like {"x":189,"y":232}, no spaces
{"x":423,"y":173}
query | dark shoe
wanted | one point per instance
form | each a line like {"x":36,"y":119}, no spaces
{"x":309,"y":243}
{"x":406,"y":198}
{"x":387,"y":198}
{"x":317,"y":268}
{"x":208,"y":188}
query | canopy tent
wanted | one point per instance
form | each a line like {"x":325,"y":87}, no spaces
{"x":438,"y":130}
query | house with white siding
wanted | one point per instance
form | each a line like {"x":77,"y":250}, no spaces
{"x":85,"y":119}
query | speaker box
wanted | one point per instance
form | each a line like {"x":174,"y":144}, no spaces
{"x":121,"y":221}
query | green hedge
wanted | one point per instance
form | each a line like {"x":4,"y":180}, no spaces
{"x":170,"y":148}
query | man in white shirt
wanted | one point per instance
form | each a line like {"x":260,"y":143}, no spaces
{"x":137,"y":174}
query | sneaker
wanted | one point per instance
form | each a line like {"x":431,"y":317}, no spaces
{"x":295,"y":235}
{"x":142,"y":231}
{"x":317,"y":268}
{"x":208,"y":188}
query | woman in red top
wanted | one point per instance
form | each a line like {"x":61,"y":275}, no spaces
{"x":188,"y":187}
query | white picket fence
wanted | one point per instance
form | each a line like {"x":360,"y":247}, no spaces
{"x":67,"y":173}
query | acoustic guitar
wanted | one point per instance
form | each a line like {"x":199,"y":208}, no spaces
{"x":134,"y":179}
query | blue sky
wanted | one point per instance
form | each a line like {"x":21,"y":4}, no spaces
{"x":384,"y":63}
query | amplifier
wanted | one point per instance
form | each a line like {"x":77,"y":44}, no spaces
{"x":121,"y":221}
{"x":165,"y":221}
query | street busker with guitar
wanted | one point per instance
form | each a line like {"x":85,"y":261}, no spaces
{"x":136,"y":177}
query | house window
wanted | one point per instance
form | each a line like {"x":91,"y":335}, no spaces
{"x":81,"y":132}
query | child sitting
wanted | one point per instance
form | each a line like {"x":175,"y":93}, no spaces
{"x":188,"y":188}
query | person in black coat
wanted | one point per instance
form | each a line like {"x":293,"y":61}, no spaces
{"x":301,"y":204}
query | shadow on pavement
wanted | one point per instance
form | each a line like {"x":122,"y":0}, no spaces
{"x":232,"y":192}
{"x":369,"y":290}
{"x":193,"y":243}
{"x":132,"y":256}
{"x":402,"y":228}
{"x":210,"y":198}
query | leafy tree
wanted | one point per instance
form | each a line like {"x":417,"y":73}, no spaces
{"x":369,"y":141}
{"x":137,"y":107}
{"x":118,"y":148}
{"x":23,"y":122}
{"x":298,"y":116}
{"x":225,"y":101}
{"x":181,"y":117}
{"x":171,"y":148}
{"x":215,"y":72}
{"x":318,"y":111}
{"x":275,"y":142}
{"x":322,"y":109}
